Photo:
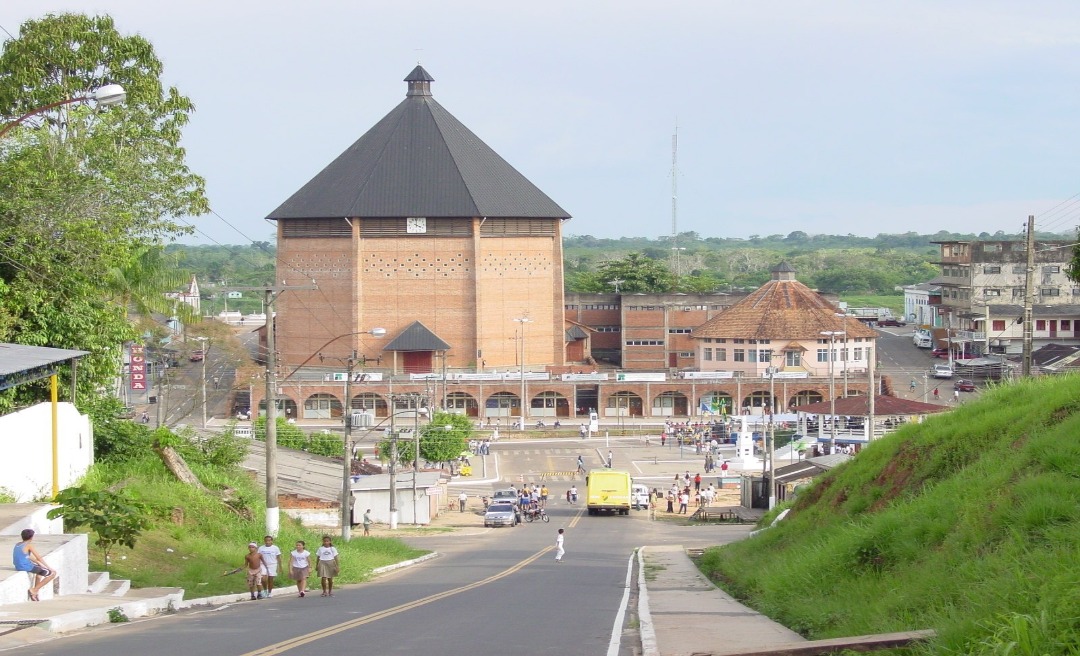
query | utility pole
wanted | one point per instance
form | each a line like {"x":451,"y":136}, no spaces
{"x":1029,"y":293}
{"x":772,"y":436}
{"x":346,"y":474}
{"x":524,"y":401}
{"x":206,"y":353}
{"x":270,"y":294}
{"x":393,"y":460}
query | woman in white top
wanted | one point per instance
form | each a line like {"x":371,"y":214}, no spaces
{"x":327,"y":566}
{"x":300,"y":566}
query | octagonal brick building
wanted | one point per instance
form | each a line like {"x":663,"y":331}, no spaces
{"x":422,"y":229}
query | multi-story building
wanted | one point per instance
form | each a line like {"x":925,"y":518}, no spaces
{"x":921,"y":303}
{"x":645,"y":331}
{"x":421,"y":229}
{"x":983,"y":284}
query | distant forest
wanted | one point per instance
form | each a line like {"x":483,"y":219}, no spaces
{"x":842,"y":264}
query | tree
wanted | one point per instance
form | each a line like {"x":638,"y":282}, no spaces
{"x":113,"y":517}
{"x":438,"y":443}
{"x":637,"y":273}
{"x":82,"y":191}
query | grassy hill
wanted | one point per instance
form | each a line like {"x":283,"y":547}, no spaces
{"x":968,"y":523}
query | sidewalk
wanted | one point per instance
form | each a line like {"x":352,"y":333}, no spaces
{"x":683,"y":613}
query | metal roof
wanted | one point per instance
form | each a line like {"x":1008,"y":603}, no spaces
{"x":574,"y":333}
{"x":858,"y":406}
{"x":417,"y":337}
{"x":419,"y":161}
{"x":24,"y":364}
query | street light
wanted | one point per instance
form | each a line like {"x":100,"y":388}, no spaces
{"x":346,"y":475}
{"x":832,"y":335}
{"x":524,"y":402}
{"x":847,"y":352}
{"x":771,"y":372}
{"x":104,"y":96}
{"x":205,"y":353}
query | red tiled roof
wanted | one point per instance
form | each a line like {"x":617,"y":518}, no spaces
{"x":781,"y":309}
{"x":857,"y":406}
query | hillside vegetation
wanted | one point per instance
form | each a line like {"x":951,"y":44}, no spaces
{"x":968,"y":524}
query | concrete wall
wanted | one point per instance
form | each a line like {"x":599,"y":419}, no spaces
{"x":66,"y":553}
{"x":26,"y":444}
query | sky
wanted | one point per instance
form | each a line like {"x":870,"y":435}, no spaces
{"x":824,"y":116}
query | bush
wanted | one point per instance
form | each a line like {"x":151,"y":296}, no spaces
{"x":321,"y":444}
{"x":289,"y":435}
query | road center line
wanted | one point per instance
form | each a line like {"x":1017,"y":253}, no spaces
{"x":293,"y":643}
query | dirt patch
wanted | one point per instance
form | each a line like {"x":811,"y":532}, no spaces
{"x":896,"y":477}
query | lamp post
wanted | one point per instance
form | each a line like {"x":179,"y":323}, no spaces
{"x":832,"y":335}
{"x":205,"y":352}
{"x":847,"y":352}
{"x":103,"y":96}
{"x":350,"y":363}
{"x":771,"y":371}
{"x":524,"y":319}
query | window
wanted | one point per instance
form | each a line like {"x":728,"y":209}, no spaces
{"x":998,"y":325}
{"x":1065,"y":324}
{"x":739,"y":355}
{"x":1076,"y":291}
{"x":1019,"y":268}
{"x":680,"y":331}
{"x":607,"y":329}
{"x":1050,"y":291}
{"x":644,"y":342}
{"x":1051,"y":268}
{"x":686,"y":354}
{"x":793,"y":358}
{"x":721,"y":355}
{"x":1040,"y":324}
{"x":823,"y":355}
{"x":753,"y":353}
{"x":992,"y":268}
{"x":765,"y":355}
{"x":857,"y":354}
{"x":991,"y":292}
{"x":706,"y":354}
{"x":739,"y":341}
{"x":571,"y":307}
{"x":1018,"y":293}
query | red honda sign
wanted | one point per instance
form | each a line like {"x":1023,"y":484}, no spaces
{"x":138,"y":367}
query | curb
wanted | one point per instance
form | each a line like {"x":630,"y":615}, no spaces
{"x":646,"y":628}
{"x":405,"y":563}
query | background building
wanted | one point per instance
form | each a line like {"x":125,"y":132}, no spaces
{"x":983,"y":283}
{"x":420,"y":221}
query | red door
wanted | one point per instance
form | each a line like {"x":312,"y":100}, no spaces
{"x":673,"y":359}
{"x":1053,"y":328}
{"x":417,"y":362}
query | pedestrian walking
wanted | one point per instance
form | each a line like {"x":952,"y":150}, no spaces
{"x":271,"y":554}
{"x":327,"y":566}
{"x":684,"y":501}
{"x":367,"y":522}
{"x":300,"y":566}
{"x":559,"y":550}
{"x":956,"y":396}
{"x":697,"y":482}
{"x":609,"y":459}
{"x":254,"y":564}
{"x":935,"y":394}
{"x":462,"y":498}
{"x":723,"y":469}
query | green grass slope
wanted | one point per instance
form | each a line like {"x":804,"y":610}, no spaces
{"x":968,"y":523}
{"x":195,"y":537}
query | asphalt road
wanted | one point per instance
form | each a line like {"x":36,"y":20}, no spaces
{"x":493,"y":591}
{"x":900,"y":359}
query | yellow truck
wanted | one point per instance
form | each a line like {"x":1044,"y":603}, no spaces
{"x":608,"y":491}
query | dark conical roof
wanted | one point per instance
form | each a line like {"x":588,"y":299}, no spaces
{"x":419,"y":161}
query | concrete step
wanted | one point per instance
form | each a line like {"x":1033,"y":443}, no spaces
{"x":117,"y":588}
{"x":73,"y":612}
{"x":96,"y":582}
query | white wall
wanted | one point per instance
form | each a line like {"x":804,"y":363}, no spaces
{"x":26,"y":453}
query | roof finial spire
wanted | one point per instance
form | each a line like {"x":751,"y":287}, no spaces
{"x":419,"y":82}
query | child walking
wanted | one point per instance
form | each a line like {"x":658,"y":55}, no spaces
{"x":254,"y":563}
{"x":327,"y":566}
{"x":300,"y":566}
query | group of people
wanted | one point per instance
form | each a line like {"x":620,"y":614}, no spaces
{"x":261,"y":564}
{"x":480,"y":447}
{"x":684,"y":495}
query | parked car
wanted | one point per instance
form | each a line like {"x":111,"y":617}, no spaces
{"x":941,"y":371}
{"x":197,"y":356}
{"x":500,"y":514}
{"x":889,"y":321}
{"x":964,"y":386}
{"x":640,"y":497}
{"x":940,"y":353}
{"x":506,"y":496}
